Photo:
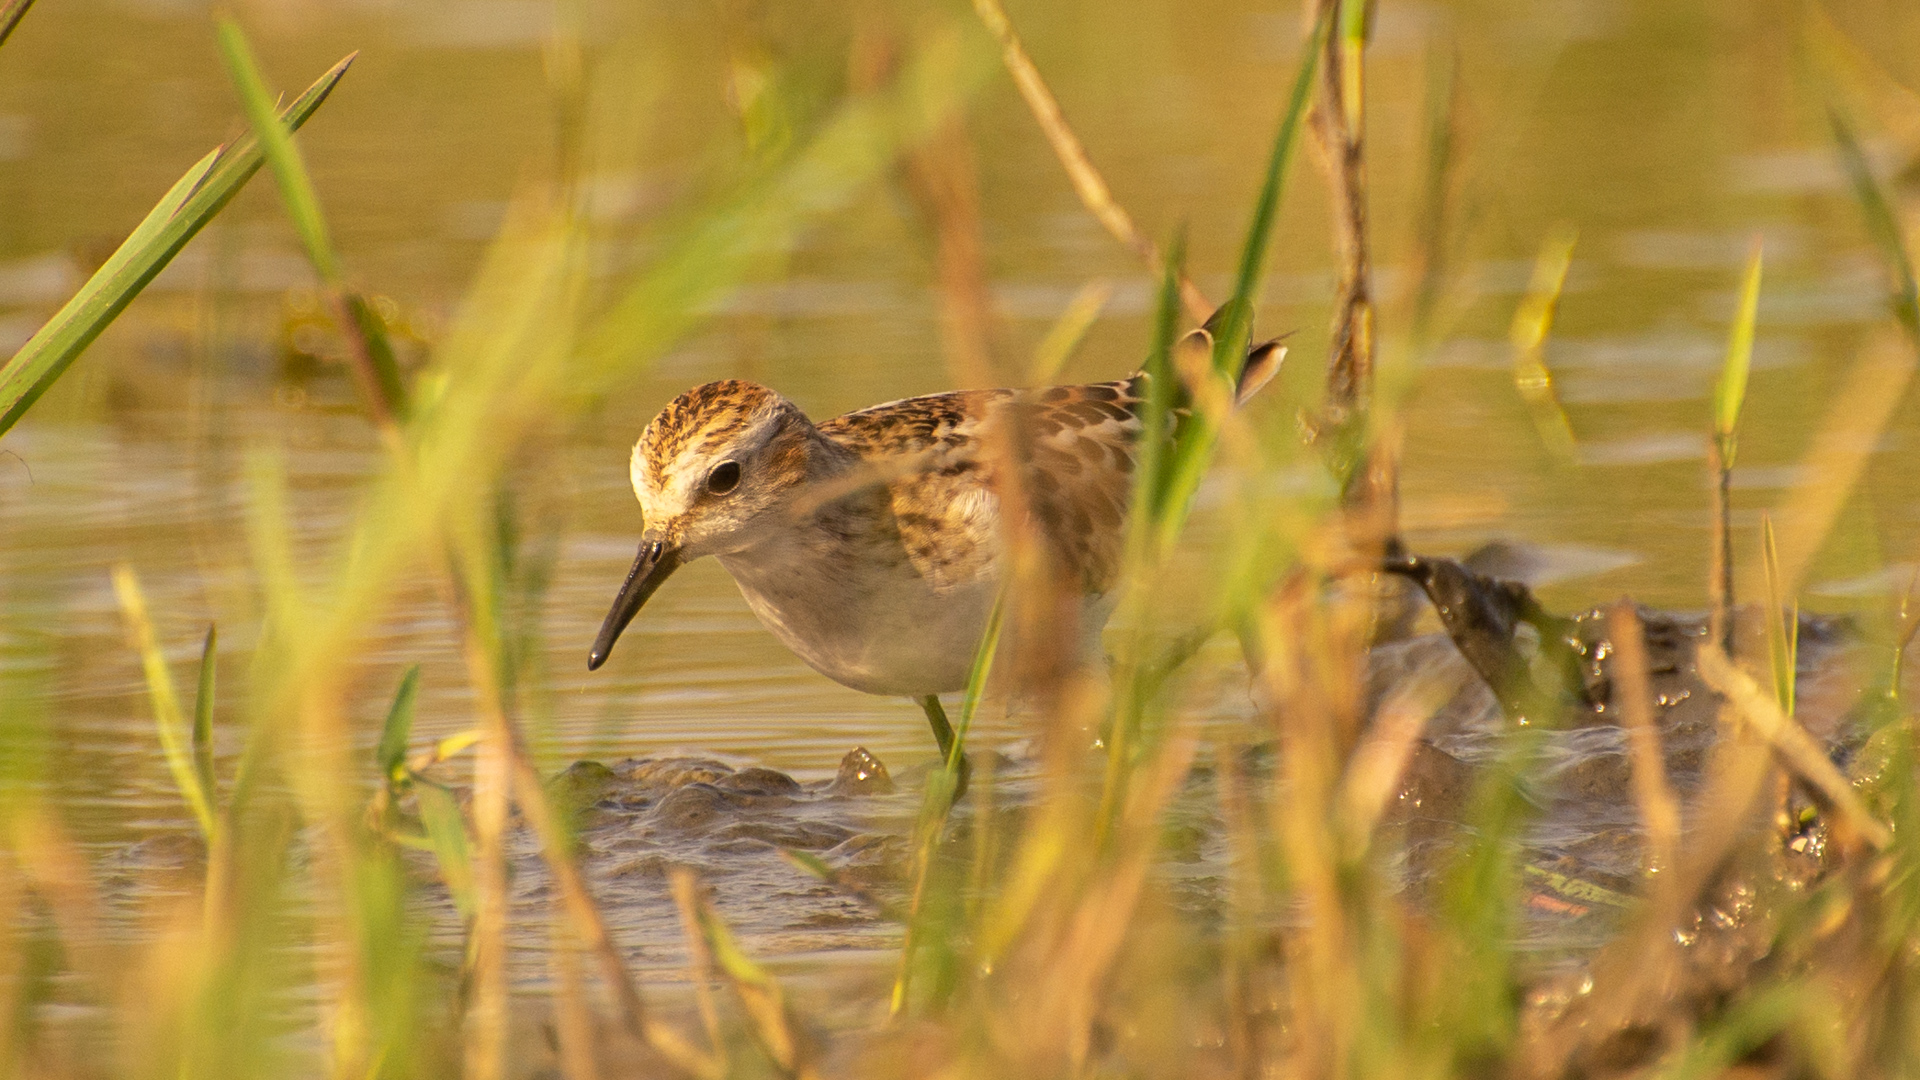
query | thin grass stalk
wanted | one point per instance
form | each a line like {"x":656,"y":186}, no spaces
{"x":1338,"y":121}
{"x":1783,"y":637}
{"x":1087,"y":182}
{"x":203,"y":717}
{"x":937,"y":804}
{"x":1729,"y":392}
{"x":1659,"y":810}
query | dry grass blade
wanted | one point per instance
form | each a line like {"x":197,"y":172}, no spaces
{"x":1659,"y":810}
{"x":1791,"y":743}
{"x":175,"y":737}
{"x":1088,"y":184}
{"x":1532,"y":324}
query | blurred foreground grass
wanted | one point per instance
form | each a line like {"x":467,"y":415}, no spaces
{"x":1039,"y":943}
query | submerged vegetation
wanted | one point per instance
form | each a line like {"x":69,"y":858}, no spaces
{"x":1373,"y":895}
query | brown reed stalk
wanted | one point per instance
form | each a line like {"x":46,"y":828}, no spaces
{"x":1659,"y":810}
{"x":1087,"y":182}
{"x":1720,"y":550}
{"x":1338,"y":122}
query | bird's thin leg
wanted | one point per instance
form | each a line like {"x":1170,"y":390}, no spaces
{"x":943,"y":734}
{"x":937,"y":719}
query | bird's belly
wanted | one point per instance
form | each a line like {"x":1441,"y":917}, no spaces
{"x":896,"y":636}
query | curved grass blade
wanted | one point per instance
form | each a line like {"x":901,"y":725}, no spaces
{"x":166,"y":701}
{"x":203,"y":715}
{"x":392,"y":754}
{"x":192,"y":202}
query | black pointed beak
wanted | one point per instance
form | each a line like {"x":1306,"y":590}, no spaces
{"x":656,"y":562}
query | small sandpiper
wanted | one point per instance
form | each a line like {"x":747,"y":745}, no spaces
{"x":871,"y":544}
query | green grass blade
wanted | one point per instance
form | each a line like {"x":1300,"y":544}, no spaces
{"x":203,"y":716}
{"x":1731,"y":390}
{"x":10,"y":15}
{"x":164,"y":698}
{"x":447,"y":834}
{"x":1882,"y":224}
{"x":976,"y":685}
{"x":1532,"y":325}
{"x":392,"y":754}
{"x":283,"y":154}
{"x":1235,"y":324}
{"x":203,"y":192}
{"x":1163,"y":390}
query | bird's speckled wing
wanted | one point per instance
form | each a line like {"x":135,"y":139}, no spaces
{"x":1076,"y":447}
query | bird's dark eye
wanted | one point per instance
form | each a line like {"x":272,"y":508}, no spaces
{"x":724,"y":477}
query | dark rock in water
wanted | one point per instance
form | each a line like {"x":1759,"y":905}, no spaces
{"x":758,"y":781}
{"x":658,"y":775}
{"x":582,"y":784}
{"x":697,"y":806}
{"x":861,"y":774}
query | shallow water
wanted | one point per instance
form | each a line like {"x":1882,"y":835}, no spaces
{"x":1668,"y":137}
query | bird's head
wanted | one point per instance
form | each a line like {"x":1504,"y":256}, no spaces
{"x":715,"y":472}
